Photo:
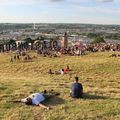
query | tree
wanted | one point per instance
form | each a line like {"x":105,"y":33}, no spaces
{"x":11,"y":41}
{"x":91,"y":35}
{"x":98,"y":39}
{"x":28,"y":40}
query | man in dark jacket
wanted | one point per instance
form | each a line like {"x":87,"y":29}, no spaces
{"x":76,"y":89}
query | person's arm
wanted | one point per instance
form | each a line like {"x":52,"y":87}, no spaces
{"x":43,"y":106}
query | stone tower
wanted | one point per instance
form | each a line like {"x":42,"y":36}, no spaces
{"x":64,"y":41}
{"x":34,"y":26}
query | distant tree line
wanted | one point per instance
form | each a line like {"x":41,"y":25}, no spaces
{"x":7,"y":26}
{"x":112,"y":36}
{"x":98,"y":39}
{"x":115,"y":36}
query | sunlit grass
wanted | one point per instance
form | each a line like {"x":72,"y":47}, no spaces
{"x":99,"y":74}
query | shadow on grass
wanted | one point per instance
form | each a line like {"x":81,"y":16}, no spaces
{"x":88,"y":96}
{"x":97,"y":97}
{"x":54,"y":101}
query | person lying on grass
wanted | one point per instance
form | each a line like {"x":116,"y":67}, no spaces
{"x":57,"y":72}
{"x":50,"y":71}
{"x":38,"y":98}
{"x":61,"y":71}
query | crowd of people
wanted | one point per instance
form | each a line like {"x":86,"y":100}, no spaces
{"x":76,"y":90}
{"x":103,"y":47}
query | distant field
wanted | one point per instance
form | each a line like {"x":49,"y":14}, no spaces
{"x":99,"y":74}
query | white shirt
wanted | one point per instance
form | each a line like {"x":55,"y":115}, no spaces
{"x":36,"y":98}
{"x":61,"y":72}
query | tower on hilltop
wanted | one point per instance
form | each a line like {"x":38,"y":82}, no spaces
{"x":64,"y":41}
{"x":34,"y":27}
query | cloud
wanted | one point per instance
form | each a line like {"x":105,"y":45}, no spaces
{"x":56,"y":0}
{"x":103,"y":1}
{"x":17,"y":2}
{"x":26,"y":2}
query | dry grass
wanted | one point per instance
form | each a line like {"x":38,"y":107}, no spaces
{"x":99,"y":74}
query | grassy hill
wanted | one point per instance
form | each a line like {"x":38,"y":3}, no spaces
{"x":99,"y":74}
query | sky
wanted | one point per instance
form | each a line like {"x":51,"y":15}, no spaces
{"x":60,"y":11}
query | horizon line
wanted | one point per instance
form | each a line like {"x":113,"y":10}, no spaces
{"x":55,"y":23}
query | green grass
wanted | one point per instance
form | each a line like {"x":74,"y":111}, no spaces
{"x":99,"y":74}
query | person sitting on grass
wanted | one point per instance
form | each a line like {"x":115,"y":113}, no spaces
{"x":38,"y":98}
{"x":67,"y":69}
{"x":76,"y":89}
{"x":62,"y":72}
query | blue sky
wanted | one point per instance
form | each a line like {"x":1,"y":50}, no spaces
{"x":60,"y":11}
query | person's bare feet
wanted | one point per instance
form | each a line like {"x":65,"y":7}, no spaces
{"x":48,"y":108}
